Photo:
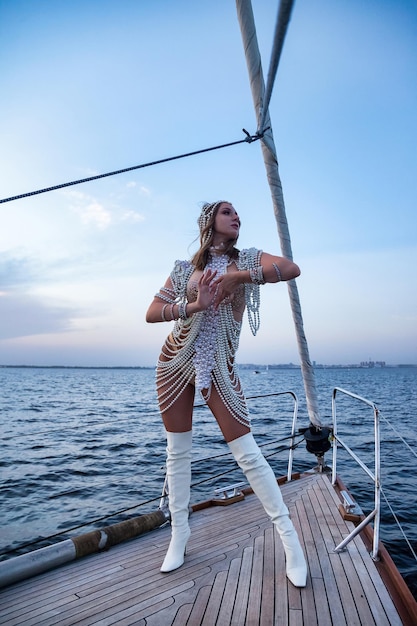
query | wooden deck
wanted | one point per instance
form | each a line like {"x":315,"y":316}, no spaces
{"x":234,"y":573}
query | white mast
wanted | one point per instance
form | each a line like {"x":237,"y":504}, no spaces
{"x":253,"y":60}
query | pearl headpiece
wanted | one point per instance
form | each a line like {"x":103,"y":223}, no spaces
{"x":205,"y":217}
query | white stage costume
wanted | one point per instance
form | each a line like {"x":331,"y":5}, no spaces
{"x":201,"y":349}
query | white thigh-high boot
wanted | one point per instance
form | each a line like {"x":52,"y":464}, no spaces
{"x":263,"y":482}
{"x":179,"y":480}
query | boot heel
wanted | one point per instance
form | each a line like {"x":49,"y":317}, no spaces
{"x":176,"y":553}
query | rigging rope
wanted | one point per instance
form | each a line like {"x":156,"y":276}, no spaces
{"x":399,"y":435}
{"x":248,"y":139}
{"x":399,"y":525}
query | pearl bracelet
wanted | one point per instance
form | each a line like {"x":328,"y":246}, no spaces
{"x":164,"y":319}
{"x":257,"y":275}
{"x":182,"y":310}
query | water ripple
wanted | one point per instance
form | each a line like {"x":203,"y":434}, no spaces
{"x":79,"y":445}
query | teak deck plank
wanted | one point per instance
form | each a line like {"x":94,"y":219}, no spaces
{"x":234,"y":573}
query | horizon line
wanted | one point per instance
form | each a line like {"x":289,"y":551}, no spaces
{"x":362,"y":365}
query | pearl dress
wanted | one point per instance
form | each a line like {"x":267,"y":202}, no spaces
{"x":201,"y":349}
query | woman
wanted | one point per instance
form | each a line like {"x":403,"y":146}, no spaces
{"x":206,"y":297}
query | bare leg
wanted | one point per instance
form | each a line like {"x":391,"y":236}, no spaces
{"x":179,"y":417}
{"x":230,"y":427}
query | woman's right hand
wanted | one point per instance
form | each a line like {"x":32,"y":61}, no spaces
{"x":206,"y":290}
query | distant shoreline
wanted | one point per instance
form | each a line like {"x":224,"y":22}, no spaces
{"x":247,"y":366}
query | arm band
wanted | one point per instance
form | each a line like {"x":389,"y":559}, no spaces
{"x":278,"y":271}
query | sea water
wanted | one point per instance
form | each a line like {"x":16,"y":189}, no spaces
{"x":83,"y":448}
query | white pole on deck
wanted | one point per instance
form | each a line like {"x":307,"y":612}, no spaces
{"x":257,"y":84}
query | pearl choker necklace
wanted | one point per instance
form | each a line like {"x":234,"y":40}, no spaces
{"x":217,"y":249}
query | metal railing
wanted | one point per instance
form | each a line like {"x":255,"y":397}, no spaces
{"x":374,"y":475}
{"x":293,"y":433}
{"x":293,"y":426}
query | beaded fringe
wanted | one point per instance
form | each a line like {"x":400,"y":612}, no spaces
{"x":178,"y":369}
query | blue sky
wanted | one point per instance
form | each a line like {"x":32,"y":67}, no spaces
{"x":90,"y":87}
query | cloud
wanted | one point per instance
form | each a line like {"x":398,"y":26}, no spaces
{"x":16,"y":272}
{"x":131,"y":216}
{"x":22,"y":315}
{"x":92,"y":212}
{"x":21,"y":274}
{"x":95,"y":214}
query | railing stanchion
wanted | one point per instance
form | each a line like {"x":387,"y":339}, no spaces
{"x":375,"y":476}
